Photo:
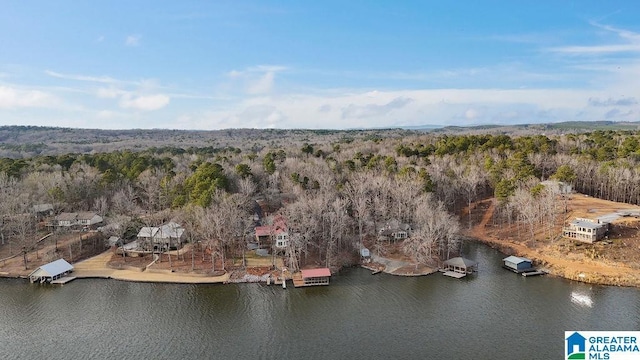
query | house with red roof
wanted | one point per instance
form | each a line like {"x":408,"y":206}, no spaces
{"x":276,"y":234}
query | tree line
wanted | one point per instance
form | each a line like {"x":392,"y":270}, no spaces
{"x":336,"y":195}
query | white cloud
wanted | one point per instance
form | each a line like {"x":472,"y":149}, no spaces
{"x":626,"y":42}
{"x":109,"y":93}
{"x":144,"y":102}
{"x":98,"y":79}
{"x":256,"y":79}
{"x":373,"y":110}
{"x":262,"y":85}
{"x":471,"y":114}
{"x":133,"y":40}
{"x":11,"y":97}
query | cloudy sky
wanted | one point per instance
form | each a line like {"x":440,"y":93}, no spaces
{"x":316,"y":64}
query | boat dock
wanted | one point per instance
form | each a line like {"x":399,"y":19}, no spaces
{"x":526,"y":272}
{"x":454,"y":274}
{"x":533,"y":273}
{"x":63,"y":280}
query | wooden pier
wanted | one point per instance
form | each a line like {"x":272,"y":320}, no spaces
{"x":534,"y":273}
{"x":454,"y":274}
{"x":526,"y":272}
{"x":63,"y":280}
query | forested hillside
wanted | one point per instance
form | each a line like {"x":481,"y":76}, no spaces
{"x":337,"y":190}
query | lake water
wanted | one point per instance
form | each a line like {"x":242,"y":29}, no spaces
{"x":494,"y":314}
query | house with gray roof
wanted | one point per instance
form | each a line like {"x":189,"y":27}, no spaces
{"x":169,"y":236}
{"x":75,"y":220}
{"x":586,"y":230}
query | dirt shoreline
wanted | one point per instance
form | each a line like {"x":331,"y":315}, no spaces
{"x":567,"y":266}
{"x":594,"y":273}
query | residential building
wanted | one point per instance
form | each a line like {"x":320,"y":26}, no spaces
{"x":586,"y":230}
{"x":169,"y":236}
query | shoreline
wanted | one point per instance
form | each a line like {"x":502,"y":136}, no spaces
{"x":595,"y":272}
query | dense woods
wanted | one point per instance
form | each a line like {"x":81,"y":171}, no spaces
{"x":337,"y":190}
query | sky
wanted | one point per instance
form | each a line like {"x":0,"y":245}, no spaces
{"x":316,"y":64}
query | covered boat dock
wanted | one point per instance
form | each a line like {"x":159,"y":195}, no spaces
{"x":53,"y":272}
{"x":459,"y":267}
{"x":312,"y":277}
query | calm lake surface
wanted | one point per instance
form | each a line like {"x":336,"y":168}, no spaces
{"x":495,"y":314}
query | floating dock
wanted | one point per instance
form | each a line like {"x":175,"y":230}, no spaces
{"x":533,"y":273}
{"x":526,"y":272}
{"x":454,"y":274}
{"x":63,"y":280}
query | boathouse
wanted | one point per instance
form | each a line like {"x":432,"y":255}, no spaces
{"x":51,"y":271}
{"x":459,"y":267}
{"x":312,"y":277}
{"x":517,"y":264}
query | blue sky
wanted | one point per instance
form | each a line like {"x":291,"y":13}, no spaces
{"x":316,"y":64}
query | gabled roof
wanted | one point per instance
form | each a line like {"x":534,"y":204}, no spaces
{"x":170,"y":230}
{"x":65,"y":216}
{"x":516,"y":260}
{"x":86,"y":215}
{"x":53,"y":268}
{"x":263,"y":230}
{"x":147,"y":232}
{"x":42,"y":207}
{"x":460,"y":262}
{"x":587,"y":224}
{"x":310,"y":273}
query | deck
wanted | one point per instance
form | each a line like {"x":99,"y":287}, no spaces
{"x":63,"y":280}
{"x":297,"y":280}
{"x":526,"y":272}
{"x":534,"y":273}
{"x":454,"y":274}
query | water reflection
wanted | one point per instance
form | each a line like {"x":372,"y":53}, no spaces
{"x":357,"y":316}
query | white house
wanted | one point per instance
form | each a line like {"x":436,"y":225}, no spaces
{"x":282,"y":239}
{"x":586,"y":230}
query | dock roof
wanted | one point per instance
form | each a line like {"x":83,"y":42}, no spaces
{"x":55,"y":268}
{"x":516,"y":259}
{"x":460,"y":262}
{"x":311,"y":273}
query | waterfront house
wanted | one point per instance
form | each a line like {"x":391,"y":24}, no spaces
{"x":458,"y":267}
{"x":394,"y":230}
{"x":84,"y":220}
{"x":517,"y":264}
{"x":88,"y":220}
{"x":51,"y":271}
{"x":586,"y":230}
{"x":166,"y":237}
{"x":276,"y":233}
{"x":66,"y":220}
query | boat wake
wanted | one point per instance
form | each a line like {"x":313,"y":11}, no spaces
{"x":581,"y":299}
